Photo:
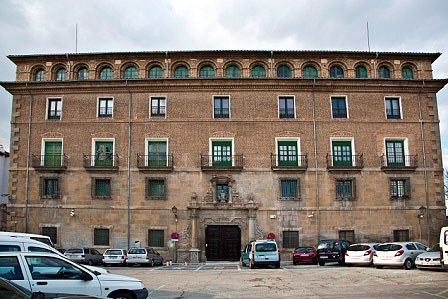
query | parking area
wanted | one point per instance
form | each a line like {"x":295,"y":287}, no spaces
{"x":230,"y":280}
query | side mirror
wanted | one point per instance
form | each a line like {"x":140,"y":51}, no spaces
{"x":86,"y":277}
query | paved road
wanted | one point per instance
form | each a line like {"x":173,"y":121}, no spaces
{"x":230,"y":280}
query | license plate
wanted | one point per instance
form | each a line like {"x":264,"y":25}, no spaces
{"x":324,"y":257}
{"x":112,"y":257}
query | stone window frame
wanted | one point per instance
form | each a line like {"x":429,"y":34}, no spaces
{"x":283,"y":229}
{"x":58,"y":230}
{"x":42,"y":180}
{"x":298,"y":191}
{"x":405,"y":141}
{"x":94,"y":141}
{"x":347,"y":230}
{"x":147,"y":180}
{"x":213,"y":104}
{"x":93,"y":188}
{"x":166,"y":236}
{"x":148,"y":140}
{"x":47,"y":106}
{"x":222,"y":180}
{"x":298,"y":149}
{"x":354,"y":191}
{"x":407,"y":188}
{"x":395,"y":228}
{"x":165,"y":97}
{"x":278,"y":105}
{"x":399,"y":104}
{"x":346,"y":106}
{"x":352,"y":145}
{"x":42,"y":149}
{"x":110,"y":228}
{"x":98,"y":116}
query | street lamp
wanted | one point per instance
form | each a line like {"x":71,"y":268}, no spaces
{"x":420,"y":213}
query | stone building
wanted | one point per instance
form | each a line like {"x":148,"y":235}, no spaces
{"x":224,"y":147}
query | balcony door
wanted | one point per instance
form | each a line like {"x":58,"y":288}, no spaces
{"x":342,"y":153}
{"x":157,"y":153}
{"x":395,"y":153}
{"x":104,"y":154}
{"x":287,"y":153}
{"x":222,"y":153}
{"x":52,"y":154}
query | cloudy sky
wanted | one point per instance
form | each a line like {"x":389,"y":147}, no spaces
{"x":36,"y":26}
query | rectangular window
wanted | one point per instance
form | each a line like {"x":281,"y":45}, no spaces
{"x":401,"y":235}
{"x":290,"y":239}
{"x":157,"y":153}
{"x":393,"y":108}
{"x":395,"y":153}
{"x":155,"y":187}
{"x":342,"y":153}
{"x":399,"y":187}
{"x":54,"y":109}
{"x":287,"y":153}
{"x":158,"y":106}
{"x":101,"y":237}
{"x":345,"y":188}
{"x":104,"y":153}
{"x":289,"y":188}
{"x":221,"y":107}
{"x":156,"y":238}
{"x":51,"y":232}
{"x":222,"y":153}
{"x":339,"y":107}
{"x":101,"y":187}
{"x":286,"y":107}
{"x":105,"y":107}
{"x":52,"y":154}
{"x":50,"y":187}
{"x":222,"y":192}
{"x":347,"y":235}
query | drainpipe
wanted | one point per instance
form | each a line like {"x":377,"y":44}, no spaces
{"x":316,"y":163}
{"x":69,"y":67}
{"x":374,"y":65}
{"x":167,"y":64}
{"x":424,"y":164}
{"x":272,"y":65}
{"x":129,"y":165}
{"x":27,"y":177}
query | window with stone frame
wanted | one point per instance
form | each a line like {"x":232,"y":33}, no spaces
{"x":339,"y":107}
{"x":101,"y":188}
{"x":155,"y":188}
{"x":52,"y":232}
{"x":158,"y":106}
{"x":290,"y":239}
{"x":345,"y":188}
{"x":54,"y":108}
{"x":101,"y":237}
{"x":393,"y":110}
{"x":49,"y":187}
{"x":105,"y":107}
{"x":401,"y":235}
{"x":400,"y":188}
{"x":289,"y":188}
{"x":156,"y":238}
{"x":347,"y":235}
{"x":286,"y":107}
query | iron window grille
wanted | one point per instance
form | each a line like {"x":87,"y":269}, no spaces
{"x":51,"y":232}
{"x":102,"y":187}
{"x":401,"y":235}
{"x":399,"y":188}
{"x":156,"y":238}
{"x":158,"y":106}
{"x":155,"y":188}
{"x":290,"y":239}
{"x":101,"y":236}
{"x":345,"y":188}
{"x":50,"y":187}
{"x":347,"y":235}
{"x":105,"y":107}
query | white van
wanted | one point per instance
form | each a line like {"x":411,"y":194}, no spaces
{"x":444,"y":247}
{"x":40,"y":238}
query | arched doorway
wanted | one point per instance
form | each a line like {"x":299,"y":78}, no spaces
{"x":222,"y":242}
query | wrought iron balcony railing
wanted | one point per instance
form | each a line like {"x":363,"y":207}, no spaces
{"x":155,"y":162}
{"x":105,"y":161}
{"x":222,"y":162}
{"x":406,"y":162}
{"x":49,"y":162}
{"x":297,"y":162}
{"x":345,"y":162}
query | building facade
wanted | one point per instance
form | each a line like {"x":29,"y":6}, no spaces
{"x":224,"y":147}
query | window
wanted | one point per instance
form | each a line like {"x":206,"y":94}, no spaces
{"x":39,"y":75}
{"x":104,"y":153}
{"x":384,"y":72}
{"x":156,"y":238}
{"x":130,"y":72}
{"x":207,"y":72}
{"x":221,"y":107}
{"x":52,"y":154}
{"x":283,"y":71}
{"x":407,"y":73}
{"x":54,"y":109}
{"x":289,"y":188}
{"x":347,"y":235}
{"x":10,"y":269}
{"x":101,"y":187}
{"x":287,"y":153}
{"x":7,"y":248}
{"x":361,"y":72}
{"x":342,"y":153}
{"x":157,"y":156}
{"x":51,"y":232}
{"x":393,"y":108}
{"x":399,"y":187}
{"x":181,"y":72}
{"x":222,"y":153}
{"x":345,"y":188}
{"x":286,"y":107}
{"x":105,"y":107}
{"x":339,"y":107}
{"x":155,"y":187}
{"x":290,"y":239}
{"x":155,"y":72}
{"x":49,"y":187}
{"x":336,"y":72}
{"x":309,"y":71}
{"x":61,"y":74}
{"x":83,"y":74}
{"x":158,"y":106}
{"x":395,"y":153}
{"x":258,"y":71}
{"x":105,"y":73}
{"x":233,"y":71}
{"x":101,"y":237}
{"x":222,"y":192}
{"x":401,"y":235}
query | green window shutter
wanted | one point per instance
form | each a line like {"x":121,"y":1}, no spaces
{"x":157,"y":156}
{"x":287,"y":153}
{"x":222,"y":153}
{"x":52,"y":154}
{"x":104,"y":155}
{"x":106,"y":73}
{"x":342,"y":153}
{"x":156,"y":238}
{"x":131,"y":73}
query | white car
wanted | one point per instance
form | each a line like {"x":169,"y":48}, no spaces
{"x":360,"y":254}
{"x":148,"y":256}
{"x":398,"y":254}
{"x":444,"y":247}
{"x":114,"y":256}
{"x":429,"y":259}
{"x":49,"y":273}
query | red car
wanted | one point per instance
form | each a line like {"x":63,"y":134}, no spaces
{"x":304,"y":255}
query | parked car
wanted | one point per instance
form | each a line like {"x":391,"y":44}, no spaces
{"x":114,"y":256}
{"x":429,"y":259}
{"x":147,"y":256}
{"x":245,"y":254}
{"x":40,"y":238}
{"x":304,"y":255}
{"x":444,"y":247}
{"x":398,"y":254}
{"x":50,"y":273}
{"x":262,"y":252}
{"x":89,"y":256}
{"x":360,"y":254}
{"x":332,"y":251}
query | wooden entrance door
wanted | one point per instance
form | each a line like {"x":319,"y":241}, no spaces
{"x":223,"y":242}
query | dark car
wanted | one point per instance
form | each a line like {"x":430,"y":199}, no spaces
{"x":332,"y":251}
{"x":304,"y":255}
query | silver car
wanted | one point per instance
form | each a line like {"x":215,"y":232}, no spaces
{"x":114,"y":256}
{"x":429,"y":259}
{"x":147,"y":256}
{"x":398,"y":254}
{"x":360,"y":254}
{"x":89,"y":256}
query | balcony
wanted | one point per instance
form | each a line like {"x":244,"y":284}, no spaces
{"x":399,"y":163}
{"x":289,"y":163}
{"x":49,"y":163}
{"x":345,"y":163}
{"x":156,"y":163}
{"x":106,"y":162}
{"x":224,"y":163}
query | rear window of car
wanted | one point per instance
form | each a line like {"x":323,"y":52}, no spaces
{"x":389,"y":247}
{"x":359,"y":248}
{"x":4,"y":248}
{"x":304,"y":250}
{"x":265,"y":247}
{"x":137,"y":251}
{"x":74,"y":250}
{"x":329,"y":245}
{"x":113,"y":252}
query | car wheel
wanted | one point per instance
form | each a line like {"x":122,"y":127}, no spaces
{"x":277,"y":265}
{"x":121,"y":296}
{"x":321,"y":263}
{"x":379,"y":267}
{"x":90,"y":262}
{"x":408,"y":264}
{"x":252,"y":264}
{"x":152,"y":263}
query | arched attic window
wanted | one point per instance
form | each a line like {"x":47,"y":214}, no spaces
{"x":309,"y":71}
{"x":61,"y":74}
{"x":39,"y":75}
{"x":155,"y":72}
{"x":105,"y":73}
{"x":233,"y":71}
{"x":336,"y":72}
{"x":361,"y":72}
{"x":130,"y":72}
{"x":283,"y":71}
{"x":181,"y":72}
{"x":258,"y":71}
{"x":207,"y":72}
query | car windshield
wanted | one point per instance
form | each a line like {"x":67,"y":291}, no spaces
{"x":435,"y":248}
{"x":328,"y":245}
{"x":265,"y":247}
{"x":304,"y":250}
{"x":113,"y":252}
{"x":358,"y":247}
{"x":389,"y":247}
{"x":74,"y":250}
